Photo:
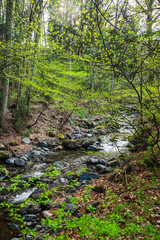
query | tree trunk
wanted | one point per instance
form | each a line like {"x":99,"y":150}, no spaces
{"x":4,"y":81}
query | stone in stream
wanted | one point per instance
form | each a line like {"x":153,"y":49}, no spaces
{"x":26,"y":140}
{"x":19,"y":162}
{"x":43,"y":144}
{"x":93,"y":148}
{"x":10,"y":161}
{"x":70,"y":144}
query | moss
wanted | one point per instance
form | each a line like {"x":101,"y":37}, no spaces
{"x":13,"y":144}
{"x":60,"y":136}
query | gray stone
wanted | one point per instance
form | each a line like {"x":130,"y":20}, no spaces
{"x":61,"y":165}
{"x":13,"y":226}
{"x":26,"y":140}
{"x":43,"y":144}
{"x":78,"y":135}
{"x":19,"y":162}
{"x":103,"y":169}
{"x":2,"y":147}
{"x":15,"y":239}
{"x":88,"y":176}
{"x":64,"y":180}
{"x":37,"y":153}
{"x":93,"y":161}
{"x":47,"y":214}
{"x":29,"y":217}
{"x":10,"y":161}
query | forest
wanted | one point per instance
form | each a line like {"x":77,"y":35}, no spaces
{"x":78,"y":77}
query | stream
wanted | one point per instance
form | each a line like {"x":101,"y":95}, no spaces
{"x":110,"y":146}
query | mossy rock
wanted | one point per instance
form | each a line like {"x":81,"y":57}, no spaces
{"x":13,"y":144}
{"x":51,"y":134}
{"x":60,"y":136}
{"x":4,"y":155}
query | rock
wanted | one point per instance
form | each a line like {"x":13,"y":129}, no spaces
{"x":113,"y":163}
{"x":79,"y":214}
{"x":31,"y":208}
{"x":93,"y":148}
{"x":46,"y":214}
{"x":64,"y":180}
{"x":10,"y":161}
{"x":87,"y":143}
{"x":36,"y":153}
{"x":13,"y":226}
{"x":29,"y":217}
{"x":60,"y":136}
{"x":78,"y":135}
{"x":36,"y":194}
{"x":88,"y":176}
{"x":4,"y":155}
{"x":70,"y":144}
{"x":68,"y":136}
{"x":2,"y":147}
{"x":103,"y":169}
{"x":51,"y":134}
{"x":93,"y":161}
{"x":15,"y":239}
{"x":19,"y":162}
{"x":43,"y":144}
{"x":26,"y":140}
{"x":61,"y":165}
{"x":70,"y":207}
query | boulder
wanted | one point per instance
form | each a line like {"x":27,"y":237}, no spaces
{"x":70,"y":144}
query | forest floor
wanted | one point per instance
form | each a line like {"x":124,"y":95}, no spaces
{"x":132,"y":196}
